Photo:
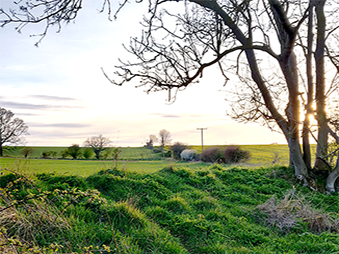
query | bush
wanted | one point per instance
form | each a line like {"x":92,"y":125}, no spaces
{"x":49,"y":154}
{"x":213,"y":154}
{"x":64,"y":154}
{"x":230,"y":154}
{"x":234,"y":154}
{"x":177,"y":148}
{"x":189,"y":155}
{"x":27,"y":151}
{"x":87,"y":153}
{"x":74,"y":151}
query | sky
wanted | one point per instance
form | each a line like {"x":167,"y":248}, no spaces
{"x":61,"y":93}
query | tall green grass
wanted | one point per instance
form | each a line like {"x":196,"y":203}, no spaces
{"x":178,"y":209}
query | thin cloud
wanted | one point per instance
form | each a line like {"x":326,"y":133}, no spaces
{"x":20,"y":105}
{"x":60,"y":125}
{"x":52,"y":98}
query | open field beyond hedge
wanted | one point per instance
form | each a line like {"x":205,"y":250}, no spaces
{"x":135,"y":159}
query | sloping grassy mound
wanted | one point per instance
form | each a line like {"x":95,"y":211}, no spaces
{"x":176,"y":210}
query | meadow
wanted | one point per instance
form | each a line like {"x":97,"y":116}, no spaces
{"x":135,"y":159}
{"x":162,"y":206}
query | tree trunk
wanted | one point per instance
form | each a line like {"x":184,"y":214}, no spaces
{"x":310,"y":92}
{"x":1,"y":150}
{"x":330,"y":181}
{"x":320,"y":162}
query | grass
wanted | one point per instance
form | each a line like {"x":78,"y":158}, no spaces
{"x":86,"y":167}
{"x":134,"y":159}
{"x":178,"y":209}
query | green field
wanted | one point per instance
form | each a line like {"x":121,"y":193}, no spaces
{"x":134,"y":159}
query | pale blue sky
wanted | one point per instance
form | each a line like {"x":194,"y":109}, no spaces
{"x":59,"y":90}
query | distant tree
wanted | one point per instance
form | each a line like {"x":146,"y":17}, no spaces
{"x":49,"y":154}
{"x":27,"y":151}
{"x":177,"y":148}
{"x":63,"y":154}
{"x":74,"y":151}
{"x":87,"y":153}
{"x":11,"y":129}
{"x":152,"y":140}
{"x":115,"y":155}
{"x":165,"y":137}
{"x":98,"y":144}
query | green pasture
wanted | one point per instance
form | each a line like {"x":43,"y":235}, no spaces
{"x":132,"y":159}
{"x":86,"y":167}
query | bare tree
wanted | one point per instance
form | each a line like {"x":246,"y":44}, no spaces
{"x":152,"y":140}
{"x":272,"y":52}
{"x":164,"y":137}
{"x":98,"y":144}
{"x":11,"y":129}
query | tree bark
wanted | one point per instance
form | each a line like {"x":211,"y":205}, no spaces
{"x":330,"y":181}
{"x":310,"y":91}
{"x":320,"y":96}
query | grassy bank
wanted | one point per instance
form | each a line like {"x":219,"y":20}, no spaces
{"x":207,"y":209}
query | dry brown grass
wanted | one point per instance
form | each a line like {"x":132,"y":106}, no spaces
{"x":294,"y":209}
{"x":34,"y":218}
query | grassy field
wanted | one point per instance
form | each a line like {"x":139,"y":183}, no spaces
{"x":87,"y":167}
{"x":134,"y":159}
{"x":178,"y":209}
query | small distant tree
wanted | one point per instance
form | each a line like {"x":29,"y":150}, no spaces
{"x":152,"y":140}
{"x":27,"y":151}
{"x":165,"y":137}
{"x":63,"y":154}
{"x":177,"y":148}
{"x":11,"y":129}
{"x":74,"y":151}
{"x":98,"y":144}
{"x":49,"y":154}
{"x":116,"y":154}
{"x":87,"y":153}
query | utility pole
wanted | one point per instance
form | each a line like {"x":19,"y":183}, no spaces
{"x":202,"y":137}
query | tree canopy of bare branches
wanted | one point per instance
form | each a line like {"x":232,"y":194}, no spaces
{"x":98,"y":144}
{"x":11,"y":129}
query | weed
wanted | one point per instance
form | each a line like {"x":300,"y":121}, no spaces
{"x":295,"y":212}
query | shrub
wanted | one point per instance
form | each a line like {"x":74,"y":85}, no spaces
{"x":48,"y":154}
{"x":177,"y":148}
{"x":234,"y":154}
{"x":230,"y":154}
{"x":27,"y":151}
{"x":87,"y":153}
{"x":64,"y":154}
{"x":189,"y":155}
{"x":106,"y":154}
{"x":74,"y":151}
{"x":213,"y":154}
